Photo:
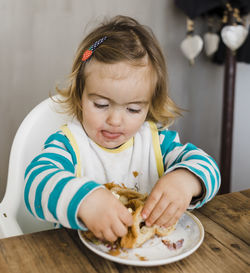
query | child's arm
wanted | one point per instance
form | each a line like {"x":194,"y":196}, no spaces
{"x":191,"y":179}
{"x":53,"y":192}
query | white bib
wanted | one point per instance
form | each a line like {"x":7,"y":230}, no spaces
{"x":136,"y":164}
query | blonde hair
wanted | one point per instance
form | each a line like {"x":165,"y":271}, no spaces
{"x":127,"y":40}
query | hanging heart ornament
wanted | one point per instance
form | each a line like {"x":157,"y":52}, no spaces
{"x":211,"y":43}
{"x":234,"y":36}
{"x":191,"y":46}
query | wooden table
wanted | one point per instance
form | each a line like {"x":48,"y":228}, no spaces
{"x":226,"y":220}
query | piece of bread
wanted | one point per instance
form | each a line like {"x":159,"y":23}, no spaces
{"x":138,"y":233}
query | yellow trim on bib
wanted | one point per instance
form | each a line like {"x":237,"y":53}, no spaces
{"x":73,"y":142}
{"x":157,"y":148}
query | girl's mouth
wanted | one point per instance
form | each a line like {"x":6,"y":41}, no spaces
{"x":111,"y":135}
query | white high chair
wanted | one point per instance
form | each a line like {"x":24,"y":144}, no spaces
{"x":43,"y":120}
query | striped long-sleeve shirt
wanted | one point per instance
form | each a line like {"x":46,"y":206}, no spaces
{"x":54,"y":192}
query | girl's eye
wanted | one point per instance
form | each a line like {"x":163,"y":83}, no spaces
{"x":100,"y":106}
{"x":134,"y":111}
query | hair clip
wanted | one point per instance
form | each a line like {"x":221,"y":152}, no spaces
{"x":88,"y":53}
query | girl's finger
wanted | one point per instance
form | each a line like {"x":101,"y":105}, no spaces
{"x":168,"y":214}
{"x":126,"y":217}
{"x":150,"y":204}
{"x":99,"y":235}
{"x":120,"y":229}
{"x":109,"y":235}
{"x":174,"y":220}
{"x":157,"y":211}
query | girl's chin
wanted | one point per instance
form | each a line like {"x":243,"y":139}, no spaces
{"x":110,"y":145}
{"x":110,"y":141}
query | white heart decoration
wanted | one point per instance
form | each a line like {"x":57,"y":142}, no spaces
{"x":234,"y":36}
{"x":211,"y":43}
{"x":191,"y":47}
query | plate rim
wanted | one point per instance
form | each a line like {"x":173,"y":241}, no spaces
{"x":148,"y":262}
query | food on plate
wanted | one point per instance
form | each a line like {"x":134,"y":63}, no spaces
{"x":138,"y":233}
{"x":173,"y":245}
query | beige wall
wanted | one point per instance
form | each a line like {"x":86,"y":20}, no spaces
{"x":38,"y":39}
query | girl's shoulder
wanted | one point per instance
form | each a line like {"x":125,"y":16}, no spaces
{"x":168,"y":140}
{"x":168,"y":135}
{"x":56,"y":136}
{"x":59,"y":140}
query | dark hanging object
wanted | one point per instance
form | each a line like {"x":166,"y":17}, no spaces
{"x":242,"y":5}
{"x":195,"y":8}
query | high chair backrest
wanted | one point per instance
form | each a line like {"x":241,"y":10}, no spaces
{"x":43,"y":120}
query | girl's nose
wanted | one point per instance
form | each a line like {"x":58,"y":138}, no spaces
{"x":114,"y":118}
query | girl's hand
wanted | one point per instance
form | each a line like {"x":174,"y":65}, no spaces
{"x":104,"y":215}
{"x":171,"y":197}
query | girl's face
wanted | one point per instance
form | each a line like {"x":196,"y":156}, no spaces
{"x":115,"y":101}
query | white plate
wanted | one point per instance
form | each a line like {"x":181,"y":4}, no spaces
{"x":155,"y":252}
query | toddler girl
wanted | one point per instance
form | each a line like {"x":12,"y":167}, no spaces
{"x":119,"y":99}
